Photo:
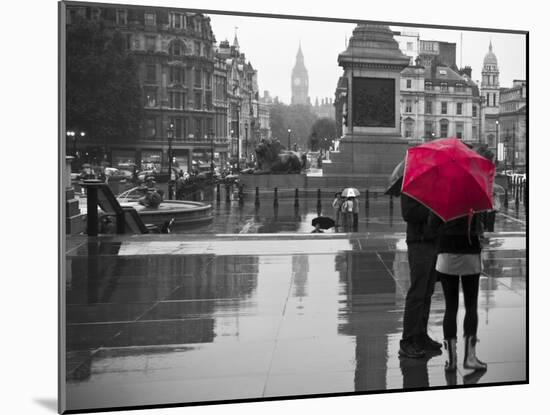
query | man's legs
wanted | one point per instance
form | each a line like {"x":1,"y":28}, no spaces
{"x":421,"y":262}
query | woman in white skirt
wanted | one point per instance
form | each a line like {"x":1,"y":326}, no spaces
{"x":459,"y":260}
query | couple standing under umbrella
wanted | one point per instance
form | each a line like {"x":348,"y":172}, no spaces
{"x":444,"y":185}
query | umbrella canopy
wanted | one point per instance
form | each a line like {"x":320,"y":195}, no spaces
{"x":449,"y":178}
{"x":324,"y":222}
{"x":396,"y":180}
{"x":350,"y":192}
{"x":498,"y":189}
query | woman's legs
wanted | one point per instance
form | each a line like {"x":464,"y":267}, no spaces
{"x":470,"y":288}
{"x":450,"y":291}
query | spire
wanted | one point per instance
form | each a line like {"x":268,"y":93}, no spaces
{"x":236,"y":41}
{"x":490,"y":45}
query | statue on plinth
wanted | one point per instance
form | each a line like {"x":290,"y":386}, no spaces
{"x":272,"y":158}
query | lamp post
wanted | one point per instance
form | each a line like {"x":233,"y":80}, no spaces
{"x":82,"y":135}
{"x":513,"y":148}
{"x":211,"y":133}
{"x":72,"y":136}
{"x":289,"y":131}
{"x":246,"y":141}
{"x":170,"y":134}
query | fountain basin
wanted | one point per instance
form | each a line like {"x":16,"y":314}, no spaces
{"x":184,"y":212}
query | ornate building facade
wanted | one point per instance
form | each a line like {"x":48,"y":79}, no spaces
{"x":204,"y":97}
{"x":512,"y":119}
{"x":300,"y":81}
{"x":438,"y":102}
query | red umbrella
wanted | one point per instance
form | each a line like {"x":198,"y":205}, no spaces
{"x":449,"y":178}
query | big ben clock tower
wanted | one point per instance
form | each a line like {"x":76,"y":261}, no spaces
{"x":299,"y":80}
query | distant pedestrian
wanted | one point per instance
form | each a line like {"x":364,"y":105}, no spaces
{"x":347,"y":214}
{"x":317,"y":228}
{"x":337,"y":206}
{"x":355,"y":214}
{"x":459,"y":260}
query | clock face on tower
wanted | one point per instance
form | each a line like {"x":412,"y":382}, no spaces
{"x":297,"y":81}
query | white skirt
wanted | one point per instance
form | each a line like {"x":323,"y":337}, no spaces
{"x":458,"y":264}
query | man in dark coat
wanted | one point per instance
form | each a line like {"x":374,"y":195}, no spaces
{"x":422,"y":231}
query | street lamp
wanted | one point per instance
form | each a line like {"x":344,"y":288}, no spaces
{"x":72,"y":136}
{"x":246,"y":141}
{"x":212,"y":153}
{"x":170,"y":133}
{"x":289,"y":131}
{"x":499,"y":155}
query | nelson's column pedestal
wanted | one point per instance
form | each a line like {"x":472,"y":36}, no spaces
{"x":369,"y":94}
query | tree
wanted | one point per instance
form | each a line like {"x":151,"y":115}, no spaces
{"x":322,"y":133}
{"x":103,"y":92}
{"x":299,"y":118}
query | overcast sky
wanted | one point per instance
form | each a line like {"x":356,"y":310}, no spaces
{"x":271,"y":46}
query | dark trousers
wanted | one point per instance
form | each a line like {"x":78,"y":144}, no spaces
{"x":470,"y":288}
{"x":422,"y":257}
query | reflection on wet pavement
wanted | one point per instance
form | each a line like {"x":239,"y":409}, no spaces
{"x":161,"y":319}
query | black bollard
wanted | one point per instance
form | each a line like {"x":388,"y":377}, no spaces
{"x":367,"y":199}
{"x":241,"y":194}
{"x":227,"y":193}
{"x":275,"y":198}
{"x":257,"y":199}
{"x":517,"y":201}
{"x":217,"y":192}
{"x":92,"y":214}
{"x":296,"y":201}
{"x":319,"y":202}
{"x":506,"y":198}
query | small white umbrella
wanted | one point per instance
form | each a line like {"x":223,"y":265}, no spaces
{"x":350,"y":192}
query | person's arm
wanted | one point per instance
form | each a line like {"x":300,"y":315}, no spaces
{"x":413,"y":211}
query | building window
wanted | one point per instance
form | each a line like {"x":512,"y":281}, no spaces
{"x":150,"y":127}
{"x":428,"y":86}
{"x":150,"y":19}
{"x":177,"y":99}
{"x":409,"y":128}
{"x":487,"y":100}
{"x":409,"y":83}
{"x":444,"y":87}
{"x":95,"y":14}
{"x":177,"y":75}
{"x":150,"y":43}
{"x":150,"y":98}
{"x":198,"y":48}
{"x":444,"y":128}
{"x":428,"y":107}
{"x":208,"y":100}
{"x":208,"y":80}
{"x":444,"y":108}
{"x":428,"y":130}
{"x":494,"y":100}
{"x":180,"y":127}
{"x":176,"y":20}
{"x":198,"y":82}
{"x":459,"y":108}
{"x":198,"y":128}
{"x":474,"y":133}
{"x":408,"y":105}
{"x":459,"y":88}
{"x":459,"y":130}
{"x":474,"y":110}
{"x":151,"y":73}
{"x":409,"y":46}
{"x":177,"y":48}
{"x":198,"y":100}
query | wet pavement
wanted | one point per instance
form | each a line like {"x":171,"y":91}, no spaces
{"x":378,"y":215}
{"x":158,"y":319}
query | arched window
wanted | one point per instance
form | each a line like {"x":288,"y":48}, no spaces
{"x":444,"y":128}
{"x":177,"y":48}
{"x":409,"y":127}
